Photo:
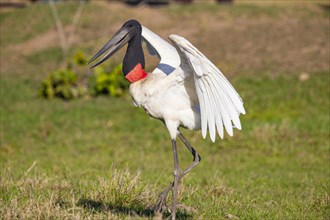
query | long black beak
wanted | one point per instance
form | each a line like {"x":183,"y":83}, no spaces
{"x":115,"y":43}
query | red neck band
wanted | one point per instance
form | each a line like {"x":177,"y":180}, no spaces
{"x":136,"y":74}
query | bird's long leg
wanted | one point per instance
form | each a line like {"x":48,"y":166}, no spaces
{"x":196,"y":160}
{"x":175,"y":183}
{"x":177,"y":174}
{"x":197,"y":157}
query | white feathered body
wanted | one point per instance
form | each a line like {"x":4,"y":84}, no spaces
{"x":168,"y":98}
{"x":186,"y":89}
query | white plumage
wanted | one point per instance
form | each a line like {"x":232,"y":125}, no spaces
{"x":195,"y":95}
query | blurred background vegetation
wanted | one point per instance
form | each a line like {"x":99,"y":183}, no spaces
{"x":97,"y":156}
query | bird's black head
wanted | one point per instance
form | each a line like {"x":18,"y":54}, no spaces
{"x":129,"y":33}
{"x":133,"y":27}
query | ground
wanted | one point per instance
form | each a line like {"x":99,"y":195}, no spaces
{"x":104,"y":158}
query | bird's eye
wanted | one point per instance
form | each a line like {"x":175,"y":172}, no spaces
{"x":130,"y":25}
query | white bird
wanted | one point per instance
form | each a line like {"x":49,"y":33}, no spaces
{"x":185,"y":90}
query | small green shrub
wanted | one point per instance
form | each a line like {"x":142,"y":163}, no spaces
{"x":63,"y":84}
{"x":67,"y":84}
{"x":108,"y":82}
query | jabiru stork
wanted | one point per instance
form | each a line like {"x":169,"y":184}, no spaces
{"x":185,"y":90}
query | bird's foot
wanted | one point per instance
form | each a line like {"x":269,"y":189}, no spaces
{"x":160,"y":205}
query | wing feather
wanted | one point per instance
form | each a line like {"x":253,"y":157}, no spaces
{"x":220,"y":118}
{"x":223,"y":106}
{"x":210,"y":116}
{"x":220,"y":103}
{"x":203,"y":107}
{"x":234,"y":115}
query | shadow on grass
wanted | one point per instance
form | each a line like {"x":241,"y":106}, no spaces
{"x":137,"y":210}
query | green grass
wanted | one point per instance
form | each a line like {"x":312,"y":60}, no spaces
{"x":103,"y":158}
{"x":275,"y":168}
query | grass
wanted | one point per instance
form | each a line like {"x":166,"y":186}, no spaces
{"x":103,"y":158}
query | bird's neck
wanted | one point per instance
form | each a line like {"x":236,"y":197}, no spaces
{"x":133,"y":65}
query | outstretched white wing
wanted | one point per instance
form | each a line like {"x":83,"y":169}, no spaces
{"x":169,"y":57}
{"x":220,"y":104}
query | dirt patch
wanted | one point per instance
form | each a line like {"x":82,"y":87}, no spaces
{"x":38,"y":43}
